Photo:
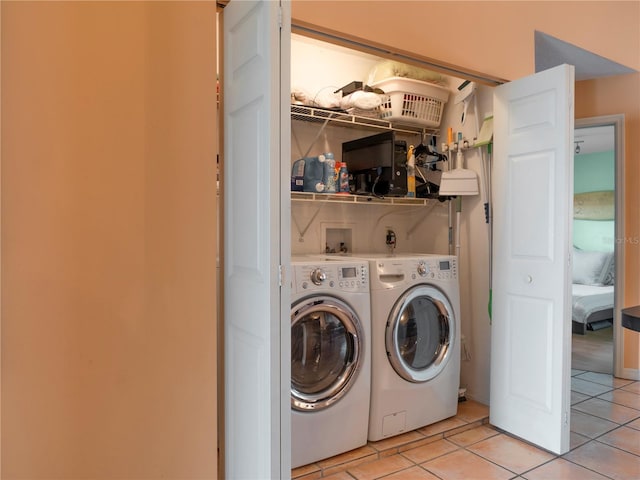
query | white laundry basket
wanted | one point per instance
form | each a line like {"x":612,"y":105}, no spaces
{"x":412,"y":101}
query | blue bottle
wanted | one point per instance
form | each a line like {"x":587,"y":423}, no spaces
{"x":329,"y":173}
{"x":314,"y":174}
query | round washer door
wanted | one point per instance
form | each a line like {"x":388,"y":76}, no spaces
{"x":327,"y":351}
{"x":420,"y":333}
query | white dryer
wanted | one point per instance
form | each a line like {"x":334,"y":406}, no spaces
{"x":330,"y":358}
{"x":415,"y":321}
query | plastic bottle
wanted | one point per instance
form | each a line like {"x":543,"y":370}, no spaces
{"x":314,"y":174}
{"x":329,"y":173}
{"x":411,"y":173}
{"x":297,"y":175}
{"x":343,"y":179}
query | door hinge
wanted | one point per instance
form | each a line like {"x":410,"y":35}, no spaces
{"x":280,"y":275}
{"x":280,"y":16}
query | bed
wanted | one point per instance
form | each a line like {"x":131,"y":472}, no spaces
{"x":592,"y":290}
{"x":591,"y":307}
{"x":593,"y":270}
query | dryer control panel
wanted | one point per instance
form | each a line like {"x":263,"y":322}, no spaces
{"x":327,"y":276}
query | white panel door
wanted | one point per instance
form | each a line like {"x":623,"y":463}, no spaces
{"x":256,"y":233}
{"x":533,"y":198}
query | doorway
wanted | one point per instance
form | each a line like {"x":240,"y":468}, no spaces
{"x":598,"y":164}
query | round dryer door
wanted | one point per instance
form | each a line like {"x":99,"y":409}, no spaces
{"x":419,"y":334}
{"x":327,"y":348}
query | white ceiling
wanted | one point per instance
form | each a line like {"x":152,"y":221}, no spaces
{"x":595,"y":139}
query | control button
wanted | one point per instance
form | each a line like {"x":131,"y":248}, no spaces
{"x":305,"y":285}
{"x":341,"y":284}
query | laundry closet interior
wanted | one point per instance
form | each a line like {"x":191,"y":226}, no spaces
{"x":361,"y":223}
{"x":377,"y":256}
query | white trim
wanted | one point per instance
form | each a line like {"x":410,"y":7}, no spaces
{"x":617,"y":121}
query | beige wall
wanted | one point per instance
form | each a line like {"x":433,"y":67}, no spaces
{"x":497,"y":39}
{"x":108,"y":240}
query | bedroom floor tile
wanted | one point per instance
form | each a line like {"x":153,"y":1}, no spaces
{"x":588,"y":388}
{"x":604,"y":379}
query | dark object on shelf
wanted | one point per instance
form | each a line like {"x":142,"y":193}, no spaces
{"x":631,"y":318}
{"x":350,"y":88}
{"x":355,"y":86}
{"x":377,"y":164}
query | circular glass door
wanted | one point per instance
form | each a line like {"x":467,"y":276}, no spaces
{"x":420,"y":333}
{"x":327,"y":348}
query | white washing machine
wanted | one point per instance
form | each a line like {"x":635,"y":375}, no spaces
{"x":330,"y":357}
{"x":415,"y":322}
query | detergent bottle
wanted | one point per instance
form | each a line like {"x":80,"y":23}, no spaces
{"x":329,"y":173}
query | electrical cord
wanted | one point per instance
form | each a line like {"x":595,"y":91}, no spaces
{"x":375,"y":182}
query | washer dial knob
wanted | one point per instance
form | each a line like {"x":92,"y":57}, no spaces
{"x":318,"y":276}
{"x":422,"y":269}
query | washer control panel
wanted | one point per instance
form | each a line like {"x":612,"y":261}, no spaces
{"x":345,"y":277}
{"x":438,"y":268}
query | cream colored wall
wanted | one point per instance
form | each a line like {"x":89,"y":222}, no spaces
{"x":497,"y":39}
{"x":108,"y":240}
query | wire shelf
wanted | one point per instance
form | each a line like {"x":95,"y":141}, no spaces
{"x":342,"y":118}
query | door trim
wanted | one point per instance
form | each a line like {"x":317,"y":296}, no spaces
{"x":617,"y":121}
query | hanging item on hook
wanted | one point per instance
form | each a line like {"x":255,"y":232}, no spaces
{"x":464,"y":95}
{"x":427,"y":156}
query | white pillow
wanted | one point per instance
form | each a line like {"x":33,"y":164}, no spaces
{"x":591,"y":268}
{"x":608,"y":270}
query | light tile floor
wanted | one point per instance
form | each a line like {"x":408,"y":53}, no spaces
{"x":605,"y":444}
